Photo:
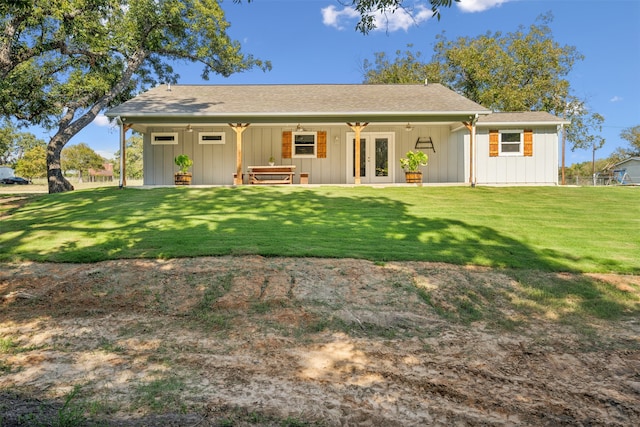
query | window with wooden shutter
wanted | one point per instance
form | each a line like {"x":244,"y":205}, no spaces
{"x":528,"y":143}
{"x":322,"y":145}
{"x":494,"y":142}
{"x":286,"y":144}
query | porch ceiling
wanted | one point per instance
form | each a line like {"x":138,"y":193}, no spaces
{"x":141,"y":123}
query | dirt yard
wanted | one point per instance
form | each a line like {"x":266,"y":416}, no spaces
{"x":281,"y":341}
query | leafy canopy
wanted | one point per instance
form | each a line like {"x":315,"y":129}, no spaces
{"x":525,"y":70}
{"x":632,"y":136}
{"x":64,"y":61}
{"x":81,"y":158}
{"x":33,"y":164}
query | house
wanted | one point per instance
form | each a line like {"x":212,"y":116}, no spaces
{"x":337,"y":134}
{"x":104,"y":174}
{"x":625,"y":172}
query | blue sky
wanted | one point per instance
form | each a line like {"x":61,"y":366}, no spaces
{"x":314,"y":41}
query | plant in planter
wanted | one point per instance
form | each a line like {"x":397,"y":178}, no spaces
{"x":184,"y":163}
{"x":411,"y":164}
{"x":272,"y":161}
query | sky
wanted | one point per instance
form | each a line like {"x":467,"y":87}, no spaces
{"x":315,"y":41}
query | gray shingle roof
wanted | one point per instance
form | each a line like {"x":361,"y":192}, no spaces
{"x":313,"y":102}
{"x":520,"y":117}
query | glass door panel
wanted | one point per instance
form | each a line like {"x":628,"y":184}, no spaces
{"x":376,"y":157}
{"x":382,"y":157}
{"x":363,"y":157}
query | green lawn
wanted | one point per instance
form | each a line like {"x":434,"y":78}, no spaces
{"x":544,"y":228}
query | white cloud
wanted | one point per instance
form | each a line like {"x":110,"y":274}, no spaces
{"x":472,"y":6}
{"x":333,"y":17}
{"x":400,"y":19}
{"x":101,"y":120}
{"x":616,"y":99}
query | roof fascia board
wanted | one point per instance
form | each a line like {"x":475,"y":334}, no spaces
{"x":524,"y":123}
{"x":310,"y":118}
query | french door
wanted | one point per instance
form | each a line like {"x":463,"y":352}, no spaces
{"x":376,"y":157}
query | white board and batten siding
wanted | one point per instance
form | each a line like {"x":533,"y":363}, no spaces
{"x":215,"y":163}
{"x":541,"y":168}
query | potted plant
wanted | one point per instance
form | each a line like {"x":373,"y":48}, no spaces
{"x":183,"y":177}
{"x":272,"y":161}
{"x":411,"y":165}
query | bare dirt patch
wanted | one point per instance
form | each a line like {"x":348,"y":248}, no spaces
{"x":287,"y":341}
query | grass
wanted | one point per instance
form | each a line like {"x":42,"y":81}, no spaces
{"x":541,"y":228}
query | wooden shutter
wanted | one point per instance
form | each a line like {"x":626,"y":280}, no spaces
{"x":528,"y":143}
{"x":494,"y":142}
{"x":287,"y":138}
{"x":322,"y":145}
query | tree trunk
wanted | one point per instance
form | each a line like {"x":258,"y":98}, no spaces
{"x":57,"y":182}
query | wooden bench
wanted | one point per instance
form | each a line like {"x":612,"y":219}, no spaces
{"x":266,"y":174}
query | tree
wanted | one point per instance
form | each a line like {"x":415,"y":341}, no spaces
{"x":632,"y":136}
{"x":33,"y":163}
{"x":64,"y":61}
{"x":406,"y":68}
{"x":81,"y":158}
{"x":133,"y":162}
{"x":14,"y":144}
{"x":521,"y":71}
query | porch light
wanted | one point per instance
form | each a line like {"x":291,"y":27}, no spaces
{"x":408,"y":127}
{"x":189,"y":128}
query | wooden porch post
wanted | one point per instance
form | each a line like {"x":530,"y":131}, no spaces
{"x":471,"y":126}
{"x":238,"y":128}
{"x":123,"y":151}
{"x":357,"y":128}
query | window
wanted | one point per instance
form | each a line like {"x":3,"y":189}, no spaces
{"x":211,"y":137}
{"x":511,"y":143}
{"x":304,"y":144}
{"x":164,"y":138}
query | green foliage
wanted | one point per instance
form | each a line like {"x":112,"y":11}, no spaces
{"x":525,"y":70}
{"x":14,"y":145}
{"x":71,"y":414}
{"x":183,"y":162}
{"x":33,"y":164}
{"x":65,"y":61}
{"x":406,"y":68}
{"x":632,"y":136}
{"x":414,"y":160}
{"x":81,"y":158}
{"x":134,"y":166}
{"x":519,"y":71}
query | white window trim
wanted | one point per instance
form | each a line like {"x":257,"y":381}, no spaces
{"x":221,"y":141}
{"x":293,"y":145}
{"x":174,"y":141}
{"x":509,"y":153}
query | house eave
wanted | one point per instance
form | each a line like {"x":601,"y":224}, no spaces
{"x":311,"y":117}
